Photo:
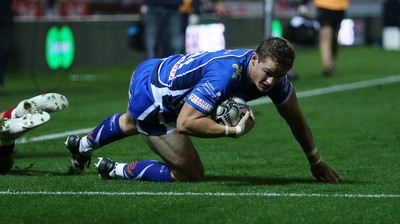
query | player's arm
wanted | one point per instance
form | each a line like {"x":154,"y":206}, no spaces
{"x":193,"y":122}
{"x":291,"y":112}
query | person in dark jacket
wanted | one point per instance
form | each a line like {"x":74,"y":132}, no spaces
{"x":163,"y":24}
{"x":6,"y":26}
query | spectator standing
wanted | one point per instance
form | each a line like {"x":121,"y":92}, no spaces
{"x":391,"y":13}
{"x":6,"y":27}
{"x":330,"y":14}
{"x":163,"y":24}
{"x":190,"y":10}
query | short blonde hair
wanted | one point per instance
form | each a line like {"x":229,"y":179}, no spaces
{"x":279,"y":50}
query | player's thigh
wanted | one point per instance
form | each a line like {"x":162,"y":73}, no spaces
{"x":179,"y":153}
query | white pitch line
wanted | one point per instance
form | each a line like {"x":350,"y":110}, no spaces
{"x":210,"y":194}
{"x":336,"y":88}
{"x":53,"y":136}
{"x":264,"y":100}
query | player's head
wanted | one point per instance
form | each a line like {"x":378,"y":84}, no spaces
{"x":277,"y":49}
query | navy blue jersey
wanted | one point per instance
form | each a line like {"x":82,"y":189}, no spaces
{"x":161,"y":86}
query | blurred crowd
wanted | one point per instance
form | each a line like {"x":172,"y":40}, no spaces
{"x":73,"y":8}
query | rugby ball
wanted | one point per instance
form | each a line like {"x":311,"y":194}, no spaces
{"x":230,"y":111}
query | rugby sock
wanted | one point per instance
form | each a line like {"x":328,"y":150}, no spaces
{"x":10,"y":113}
{"x":7,"y":144}
{"x":150,"y":170}
{"x":108,"y":131}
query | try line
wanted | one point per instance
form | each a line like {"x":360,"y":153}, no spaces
{"x":303,"y":94}
{"x":209,"y":194}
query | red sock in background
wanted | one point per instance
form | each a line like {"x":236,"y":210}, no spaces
{"x":8,"y":113}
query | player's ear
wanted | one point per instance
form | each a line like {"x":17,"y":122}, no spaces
{"x":254,"y":58}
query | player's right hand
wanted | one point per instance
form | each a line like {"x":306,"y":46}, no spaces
{"x":324,"y":173}
{"x":245,"y":124}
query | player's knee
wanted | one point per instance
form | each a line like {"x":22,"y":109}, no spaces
{"x":193,"y":176}
{"x":127,"y":124}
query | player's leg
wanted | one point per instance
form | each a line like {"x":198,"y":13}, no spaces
{"x":28,"y":114}
{"x":6,"y":148}
{"x":179,"y":154}
{"x":337,"y":17}
{"x":325,"y":40}
{"x":13,"y":128}
{"x":152,"y":31}
{"x":49,"y":102}
{"x":182,"y":162}
{"x":111,"y":129}
{"x":174,"y":43}
{"x":325,"y":46}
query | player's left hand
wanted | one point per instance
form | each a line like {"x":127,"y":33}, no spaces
{"x":324,"y":173}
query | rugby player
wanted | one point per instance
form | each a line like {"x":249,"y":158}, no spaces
{"x":171,"y":99}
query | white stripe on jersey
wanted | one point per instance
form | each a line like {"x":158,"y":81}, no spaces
{"x":147,"y":111}
{"x":189,"y":59}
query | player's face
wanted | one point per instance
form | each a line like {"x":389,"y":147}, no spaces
{"x":265,"y":74}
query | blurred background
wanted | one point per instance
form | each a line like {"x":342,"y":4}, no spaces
{"x":63,"y":34}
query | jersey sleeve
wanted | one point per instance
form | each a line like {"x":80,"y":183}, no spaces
{"x":281,"y":92}
{"x":216,"y":84}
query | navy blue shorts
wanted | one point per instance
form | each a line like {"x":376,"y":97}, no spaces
{"x":144,"y":107}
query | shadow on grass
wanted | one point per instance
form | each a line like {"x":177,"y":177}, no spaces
{"x":32,"y":172}
{"x":229,"y":180}
{"x":36,"y":154}
{"x":252,"y":180}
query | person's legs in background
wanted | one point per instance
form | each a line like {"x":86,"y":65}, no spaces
{"x":5,"y":50}
{"x":152,"y":31}
{"x":328,"y":38}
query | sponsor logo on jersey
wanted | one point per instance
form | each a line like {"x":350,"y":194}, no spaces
{"x":175,"y":68}
{"x":238,"y":73}
{"x":200,"y":102}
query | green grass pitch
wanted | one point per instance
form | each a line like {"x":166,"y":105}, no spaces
{"x":262,"y":177}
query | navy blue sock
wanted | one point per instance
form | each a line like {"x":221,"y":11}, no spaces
{"x":150,"y":170}
{"x":108,"y":131}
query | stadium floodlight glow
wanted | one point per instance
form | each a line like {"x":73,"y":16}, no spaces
{"x":346,"y":32}
{"x":205,"y":37}
{"x":60,"y":47}
{"x":276,"y":28}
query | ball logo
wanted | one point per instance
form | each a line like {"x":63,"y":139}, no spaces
{"x":60,"y":47}
{"x":230,"y":111}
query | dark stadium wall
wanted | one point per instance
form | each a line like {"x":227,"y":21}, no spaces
{"x":105,"y":43}
{"x":96,"y":44}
